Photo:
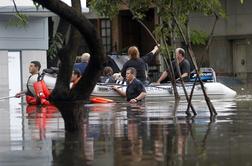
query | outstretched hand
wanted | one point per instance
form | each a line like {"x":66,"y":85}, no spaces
{"x":156,"y":48}
{"x":20,"y":94}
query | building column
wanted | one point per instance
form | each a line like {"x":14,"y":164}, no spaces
{"x":4,"y":79}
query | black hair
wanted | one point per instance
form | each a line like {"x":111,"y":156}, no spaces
{"x":132,"y":70}
{"x":37,"y":64}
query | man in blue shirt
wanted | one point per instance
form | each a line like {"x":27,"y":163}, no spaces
{"x":83,"y":64}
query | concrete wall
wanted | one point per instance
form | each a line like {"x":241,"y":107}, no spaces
{"x":4,"y":79}
{"x":33,"y":36}
{"x":4,"y":91}
{"x":237,"y":22}
{"x":220,"y":57}
{"x":236,"y":26}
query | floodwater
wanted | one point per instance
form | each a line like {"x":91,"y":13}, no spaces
{"x":120,"y":134}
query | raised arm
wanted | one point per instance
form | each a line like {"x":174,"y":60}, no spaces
{"x":155,"y":49}
{"x":148,"y":58}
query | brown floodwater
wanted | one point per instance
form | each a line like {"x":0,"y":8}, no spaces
{"x":121,"y":134}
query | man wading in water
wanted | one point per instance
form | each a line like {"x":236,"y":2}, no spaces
{"x":135,"y":90}
{"x":36,"y":91}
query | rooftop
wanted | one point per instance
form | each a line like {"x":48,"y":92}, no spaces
{"x":27,"y":7}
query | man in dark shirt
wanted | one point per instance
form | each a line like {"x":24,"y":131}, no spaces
{"x":140,"y":64}
{"x":135,"y":90}
{"x":184,"y":67}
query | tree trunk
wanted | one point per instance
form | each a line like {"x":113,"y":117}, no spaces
{"x":69,"y":151}
{"x":73,"y":114}
{"x":86,"y":84}
{"x":67,"y":55}
{"x":62,"y":95}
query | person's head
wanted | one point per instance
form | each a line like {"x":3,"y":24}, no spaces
{"x":85,"y":57}
{"x":130,"y":73}
{"x":108,"y":71}
{"x":75,"y":75}
{"x":133,"y":52}
{"x":180,"y":54}
{"x":34,"y":67}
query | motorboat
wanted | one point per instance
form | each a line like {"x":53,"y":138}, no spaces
{"x":214,"y":89}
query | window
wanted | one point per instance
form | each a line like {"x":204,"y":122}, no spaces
{"x":106,"y":35}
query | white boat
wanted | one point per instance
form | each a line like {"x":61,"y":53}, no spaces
{"x":215,"y":90}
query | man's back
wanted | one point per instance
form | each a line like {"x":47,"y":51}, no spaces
{"x":140,"y":67}
{"x":81,"y":67}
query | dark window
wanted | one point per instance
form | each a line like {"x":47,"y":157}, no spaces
{"x":106,"y":35}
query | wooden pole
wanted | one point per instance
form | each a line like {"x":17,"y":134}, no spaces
{"x":209,"y":104}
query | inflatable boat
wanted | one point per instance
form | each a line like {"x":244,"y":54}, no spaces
{"x":214,"y":89}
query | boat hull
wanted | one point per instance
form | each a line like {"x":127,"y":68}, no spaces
{"x":215,"y":90}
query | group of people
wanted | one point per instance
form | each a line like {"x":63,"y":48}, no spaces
{"x":36,"y":90}
{"x":134,"y":71}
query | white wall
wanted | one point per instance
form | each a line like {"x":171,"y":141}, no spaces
{"x":4,"y":104}
{"x":4,"y":88}
{"x":33,"y":36}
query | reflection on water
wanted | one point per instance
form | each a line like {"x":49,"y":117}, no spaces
{"x":151,"y":133}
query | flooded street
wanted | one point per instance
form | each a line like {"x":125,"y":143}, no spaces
{"x":149,"y":134}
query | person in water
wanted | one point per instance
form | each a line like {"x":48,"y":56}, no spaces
{"x":36,"y":91}
{"x":135,"y":90}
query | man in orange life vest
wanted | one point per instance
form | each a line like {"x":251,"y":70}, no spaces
{"x":36,"y":91}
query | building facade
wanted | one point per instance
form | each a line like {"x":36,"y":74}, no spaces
{"x":229,"y":53}
{"x":21,"y":44}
